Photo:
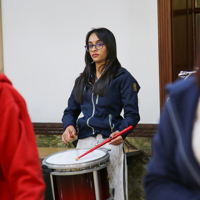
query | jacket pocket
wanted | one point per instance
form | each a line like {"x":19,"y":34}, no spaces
{"x":82,"y":125}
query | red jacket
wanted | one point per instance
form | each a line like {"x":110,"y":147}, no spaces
{"x":20,"y":170}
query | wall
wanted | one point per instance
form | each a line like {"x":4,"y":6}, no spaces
{"x":44,"y":49}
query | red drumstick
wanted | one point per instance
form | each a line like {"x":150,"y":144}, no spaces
{"x":106,"y":141}
{"x":71,"y":135}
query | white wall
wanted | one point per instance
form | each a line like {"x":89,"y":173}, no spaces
{"x":44,"y":49}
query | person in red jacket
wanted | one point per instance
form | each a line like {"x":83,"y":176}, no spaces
{"x":20,"y":171}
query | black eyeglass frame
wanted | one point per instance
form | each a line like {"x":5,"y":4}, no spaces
{"x":94,"y":45}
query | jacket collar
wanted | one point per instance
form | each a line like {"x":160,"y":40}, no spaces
{"x":120,"y":71}
{"x":184,"y":96}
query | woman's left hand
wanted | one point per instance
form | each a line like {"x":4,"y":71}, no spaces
{"x":116,"y":141}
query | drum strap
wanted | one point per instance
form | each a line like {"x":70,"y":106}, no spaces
{"x":125,"y":175}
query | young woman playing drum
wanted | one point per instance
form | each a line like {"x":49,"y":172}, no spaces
{"x":101,"y":91}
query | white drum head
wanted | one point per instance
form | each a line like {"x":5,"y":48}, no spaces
{"x":65,"y":160}
{"x":68,"y":157}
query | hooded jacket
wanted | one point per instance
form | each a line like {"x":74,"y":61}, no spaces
{"x":101,"y":115}
{"x":173,"y":171}
{"x":20,"y":170}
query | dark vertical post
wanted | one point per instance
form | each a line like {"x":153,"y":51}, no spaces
{"x":165,"y":46}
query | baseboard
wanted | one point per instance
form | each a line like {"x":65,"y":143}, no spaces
{"x":141,"y":130}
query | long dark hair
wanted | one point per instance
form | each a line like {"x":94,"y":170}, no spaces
{"x":87,"y":77}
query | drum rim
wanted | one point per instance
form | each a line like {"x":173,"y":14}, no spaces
{"x":85,"y":171}
{"x":103,"y":159}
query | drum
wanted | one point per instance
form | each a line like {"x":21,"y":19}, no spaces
{"x":79,"y":180}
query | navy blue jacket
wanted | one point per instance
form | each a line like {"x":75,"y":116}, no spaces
{"x":102,"y":114}
{"x":173,"y":172}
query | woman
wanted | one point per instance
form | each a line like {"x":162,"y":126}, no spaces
{"x":100,"y":93}
{"x":174,"y":169}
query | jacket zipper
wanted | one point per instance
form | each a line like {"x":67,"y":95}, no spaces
{"x":110,"y":122}
{"x":181,"y":146}
{"x":93,"y":110}
{"x":77,"y":125}
{"x":97,"y":99}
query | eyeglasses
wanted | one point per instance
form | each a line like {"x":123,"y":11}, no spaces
{"x":98,"y":46}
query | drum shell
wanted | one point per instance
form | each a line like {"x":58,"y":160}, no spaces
{"x":76,"y":182}
{"x":80,"y":186}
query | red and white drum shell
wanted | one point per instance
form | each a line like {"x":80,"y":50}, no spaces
{"x":79,"y":180}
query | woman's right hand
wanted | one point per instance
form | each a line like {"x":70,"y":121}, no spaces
{"x":69,"y":134}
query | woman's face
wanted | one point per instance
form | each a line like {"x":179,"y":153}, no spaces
{"x":98,"y":54}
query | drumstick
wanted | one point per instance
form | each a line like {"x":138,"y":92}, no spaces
{"x":71,"y":135}
{"x":106,"y":141}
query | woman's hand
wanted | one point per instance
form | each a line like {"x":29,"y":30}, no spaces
{"x":69,"y":134}
{"x":116,"y":141}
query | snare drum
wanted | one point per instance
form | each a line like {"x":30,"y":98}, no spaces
{"x":79,"y":180}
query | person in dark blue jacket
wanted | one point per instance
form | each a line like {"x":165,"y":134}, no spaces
{"x":101,"y":91}
{"x":174,"y":169}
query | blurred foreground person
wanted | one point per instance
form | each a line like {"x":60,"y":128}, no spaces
{"x":20,"y":171}
{"x":174,"y":170}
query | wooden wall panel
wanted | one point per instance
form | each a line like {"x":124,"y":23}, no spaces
{"x":165,"y":46}
{"x":141,"y":130}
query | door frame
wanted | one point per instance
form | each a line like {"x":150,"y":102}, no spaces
{"x":165,"y":46}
